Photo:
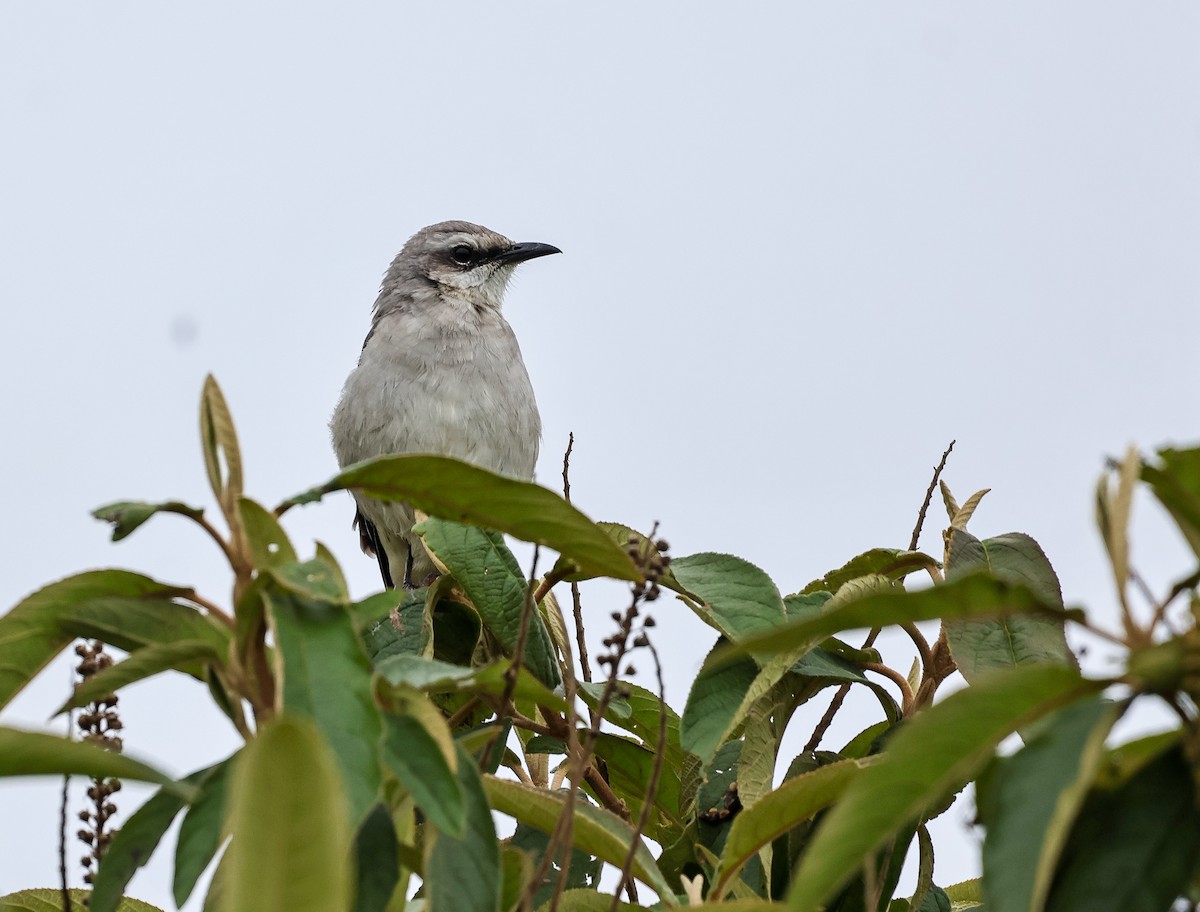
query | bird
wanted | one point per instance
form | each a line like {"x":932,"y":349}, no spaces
{"x":440,"y":373}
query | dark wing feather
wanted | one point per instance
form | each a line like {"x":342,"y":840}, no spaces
{"x":368,"y":538}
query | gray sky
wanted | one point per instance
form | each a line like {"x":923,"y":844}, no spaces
{"x":805,"y":246}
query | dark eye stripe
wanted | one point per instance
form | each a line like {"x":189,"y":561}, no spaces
{"x":463,"y":255}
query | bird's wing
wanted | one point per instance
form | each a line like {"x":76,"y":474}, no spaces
{"x":368,"y":539}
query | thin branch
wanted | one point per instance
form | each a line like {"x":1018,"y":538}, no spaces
{"x":216,"y":536}
{"x":216,"y":611}
{"x":462,"y":713}
{"x":62,"y":818}
{"x":519,"y":771}
{"x":937,"y":473}
{"x":518,"y":659}
{"x":906,"y":694}
{"x":839,"y":698}
{"x":651,"y":784}
{"x":922,"y":645}
{"x":585,"y":667}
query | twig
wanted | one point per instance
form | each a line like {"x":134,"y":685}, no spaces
{"x":462,"y":713}
{"x":518,"y":659}
{"x":937,"y":473}
{"x":217,"y":612}
{"x":585,"y":667}
{"x":651,"y":784}
{"x":62,"y":819}
{"x":838,"y":699}
{"x":922,"y":645}
{"x":216,"y":536}
{"x":906,"y":694}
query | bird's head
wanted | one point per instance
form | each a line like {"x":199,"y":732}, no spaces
{"x":466,"y":259}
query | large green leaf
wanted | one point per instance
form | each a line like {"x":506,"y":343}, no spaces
{"x":717,"y":697}
{"x":200,"y":834}
{"x":135,"y":842}
{"x":629,"y":766}
{"x":457,"y":491}
{"x":326,"y":677}
{"x":797,"y":800}
{"x":33,"y":632}
{"x":928,"y":758}
{"x":492,"y":580}
{"x":268,"y":543}
{"x":595,"y":831}
{"x":291,"y":836}
{"x":26,"y":753}
{"x":417,"y":747}
{"x":981,"y":645}
{"x":1134,"y":849}
{"x":1028,"y":803}
{"x":971,"y":596}
{"x":434,"y":676}
{"x":48,"y":900}
{"x":730,"y":594}
{"x":146,"y":662}
{"x":463,"y":873}
{"x":1175,"y":481}
{"x":377,"y":865}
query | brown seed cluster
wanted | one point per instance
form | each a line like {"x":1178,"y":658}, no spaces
{"x":652,"y":560}
{"x":99,"y":724}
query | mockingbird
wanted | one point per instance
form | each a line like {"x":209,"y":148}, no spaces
{"x":440,"y":372}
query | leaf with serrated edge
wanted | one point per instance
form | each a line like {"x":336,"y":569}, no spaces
{"x":596,"y":831}
{"x":930,"y":756}
{"x":458,"y":491}
{"x":730,"y":594}
{"x":488,"y":573}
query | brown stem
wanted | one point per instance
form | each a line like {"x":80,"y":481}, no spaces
{"x":937,"y":473}
{"x":922,"y":645}
{"x":217,"y":612}
{"x":906,"y":694}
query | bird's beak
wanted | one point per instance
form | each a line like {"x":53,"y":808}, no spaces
{"x":519,"y":253}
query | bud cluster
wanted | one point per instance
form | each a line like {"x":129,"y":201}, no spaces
{"x":652,"y":560}
{"x":98,"y":724}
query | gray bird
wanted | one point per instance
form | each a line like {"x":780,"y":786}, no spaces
{"x":440,"y":372}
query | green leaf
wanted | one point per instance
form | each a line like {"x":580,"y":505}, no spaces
{"x":584,"y":870}
{"x":418,"y":749}
{"x":47,"y":900}
{"x":33,"y":633}
{"x":145,"y":663}
{"x":463,"y":874}
{"x":890,"y":562}
{"x":595,"y":831}
{"x":407,"y":631}
{"x":517,"y":869}
{"x":1134,"y":849}
{"x":377,"y":864}
{"x":126,"y":515}
{"x":327,"y":678}
{"x":269,"y":544}
{"x":1175,"y":481}
{"x":135,"y":842}
{"x":971,"y":596}
{"x":492,"y":580}
{"x":730,"y":594}
{"x":1028,"y":803}
{"x":291,"y":836}
{"x":222,"y":456}
{"x":629,"y":766}
{"x":200,"y":834}
{"x":979,"y":646}
{"x":457,"y":491}
{"x":717,"y":696}
{"x":932,"y":755}
{"x":26,"y":753}
{"x":583,"y":900}
{"x":433,"y":676}
{"x":795,"y":801}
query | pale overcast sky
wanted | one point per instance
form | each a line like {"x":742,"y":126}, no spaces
{"x":804,"y":247}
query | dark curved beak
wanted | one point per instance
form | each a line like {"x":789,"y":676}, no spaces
{"x":519,"y":253}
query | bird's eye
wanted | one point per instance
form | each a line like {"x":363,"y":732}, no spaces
{"x":462,"y":255}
